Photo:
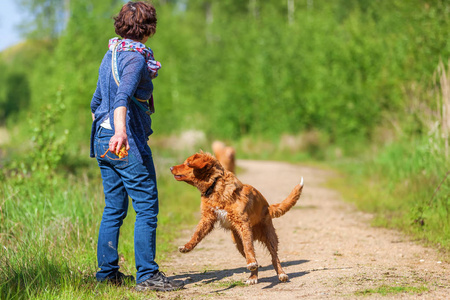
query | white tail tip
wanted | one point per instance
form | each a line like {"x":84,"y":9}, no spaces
{"x":301,"y":182}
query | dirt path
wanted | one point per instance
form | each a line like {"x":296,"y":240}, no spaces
{"x":327,"y":248}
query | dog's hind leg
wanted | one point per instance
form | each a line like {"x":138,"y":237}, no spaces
{"x":253,"y":279}
{"x":271,"y":241}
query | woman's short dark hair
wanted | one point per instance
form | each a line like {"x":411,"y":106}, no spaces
{"x":136,"y":20}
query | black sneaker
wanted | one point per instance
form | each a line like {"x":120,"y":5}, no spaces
{"x":118,"y":279}
{"x":159,"y":282}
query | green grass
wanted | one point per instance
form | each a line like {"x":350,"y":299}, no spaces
{"x":228,"y":284}
{"x":49,"y":226}
{"x":386,"y":290}
{"x":406,"y":186}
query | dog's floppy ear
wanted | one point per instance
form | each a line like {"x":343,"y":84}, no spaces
{"x":198,"y":161}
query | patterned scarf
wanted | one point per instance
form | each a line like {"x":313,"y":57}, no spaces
{"x":129,"y":45}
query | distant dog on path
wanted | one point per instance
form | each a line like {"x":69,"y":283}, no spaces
{"x":225,"y":155}
{"x":238,"y":207}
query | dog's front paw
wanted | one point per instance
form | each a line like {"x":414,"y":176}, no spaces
{"x":184,"y":249}
{"x":251,"y":280}
{"x":283,"y":277}
{"x":252,"y":266}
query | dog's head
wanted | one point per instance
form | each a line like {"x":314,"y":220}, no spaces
{"x":197,"y":169}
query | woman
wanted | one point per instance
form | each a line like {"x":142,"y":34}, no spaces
{"x":121,"y":119}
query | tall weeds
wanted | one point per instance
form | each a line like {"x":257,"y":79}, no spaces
{"x":442,"y":80}
{"x":406,"y":183}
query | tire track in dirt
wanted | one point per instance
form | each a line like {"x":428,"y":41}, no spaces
{"x":328,"y":249}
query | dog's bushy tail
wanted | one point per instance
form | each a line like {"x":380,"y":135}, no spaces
{"x":279,"y":209}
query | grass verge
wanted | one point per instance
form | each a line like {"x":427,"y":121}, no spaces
{"x":49,"y":226}
{"x":406,"y":186}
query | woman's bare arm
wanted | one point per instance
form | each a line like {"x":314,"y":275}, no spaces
{"x":120,"y":135}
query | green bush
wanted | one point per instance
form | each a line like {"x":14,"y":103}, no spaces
{"x":342,"y":67}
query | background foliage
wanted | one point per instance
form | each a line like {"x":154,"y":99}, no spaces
{"x":237,"y":68}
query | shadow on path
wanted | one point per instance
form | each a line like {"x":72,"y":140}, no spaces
{"x":211,"y":276}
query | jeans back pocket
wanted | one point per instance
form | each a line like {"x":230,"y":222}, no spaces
{"x":104,"y":155}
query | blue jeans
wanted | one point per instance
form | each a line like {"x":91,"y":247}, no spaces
{"x":122,"y":178}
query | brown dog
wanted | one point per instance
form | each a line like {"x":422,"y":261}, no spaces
{"x":238,"y":207}
{"x":225,"y":155}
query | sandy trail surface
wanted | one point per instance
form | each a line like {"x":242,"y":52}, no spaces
{"x":327,"y":248}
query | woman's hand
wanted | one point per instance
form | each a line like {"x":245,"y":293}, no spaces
{"x":116,"y":142}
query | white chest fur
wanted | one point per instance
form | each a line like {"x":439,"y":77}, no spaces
{"x":222,"y":218}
